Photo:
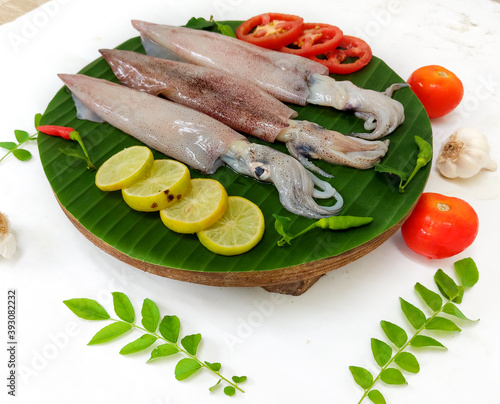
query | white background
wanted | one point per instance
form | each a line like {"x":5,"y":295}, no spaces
{"x":293,"y":349}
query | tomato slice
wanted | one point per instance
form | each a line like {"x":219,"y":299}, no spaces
{"x":271,"y":30}
{"x":349,"y":46}
{"x":315,"y":40}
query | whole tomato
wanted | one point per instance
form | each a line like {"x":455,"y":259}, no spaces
{"x":439,"y":90}
{"x":440,"y":226}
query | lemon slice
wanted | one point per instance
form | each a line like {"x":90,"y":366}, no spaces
{"x":201,"y":207}
{"x":124,"y":168}
{"x":164,"y":184}
{"x":237,"y":231}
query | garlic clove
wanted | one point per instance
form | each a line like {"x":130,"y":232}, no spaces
{"x":8,"y":244}
{"x":490,"y":165}
{"x":464,"y":154}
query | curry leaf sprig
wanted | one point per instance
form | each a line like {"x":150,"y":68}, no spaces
{"x":165,"y":331}
{"x":202,"y":23}
{"x":387,"y":355}
{"x":423,"y":157}
{"x":22,"y":138}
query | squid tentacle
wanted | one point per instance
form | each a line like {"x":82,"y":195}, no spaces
{"x":381,"y":113}
{"x":394,"y":87}
{"x":294,"y":183}
{"x":306,"y":140}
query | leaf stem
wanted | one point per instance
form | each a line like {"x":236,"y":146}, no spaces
{"x":403,"y":347}
{"x":181,"y":349}
{"x":32,"y":137}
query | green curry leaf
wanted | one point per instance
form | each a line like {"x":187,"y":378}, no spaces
{"x":168,"y":334}
{"x":383,"y":353}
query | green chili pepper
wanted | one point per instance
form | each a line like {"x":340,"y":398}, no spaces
{"x":423,"y":157}
{"x":342,"y":222}
{"x":282,"y":225}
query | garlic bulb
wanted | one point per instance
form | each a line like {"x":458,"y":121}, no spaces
{"x":8,"y":243}
{"x":464,"y":154}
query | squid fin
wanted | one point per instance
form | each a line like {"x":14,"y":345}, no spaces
{"x":84,"y":112}
{"x":154,"y":49}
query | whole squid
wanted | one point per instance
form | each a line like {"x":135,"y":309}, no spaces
{"x":287,"y":77}
{"x":242,"y":106}
{"x":199,"y":141}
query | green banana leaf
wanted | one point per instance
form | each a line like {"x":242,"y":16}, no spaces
{"x":144,"y":238}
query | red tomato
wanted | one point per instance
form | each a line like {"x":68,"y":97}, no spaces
{"x":315,"y":39}
{"x":349,"y":46}
{"x":271,"y":30}
{"x":439,"y":90}
{"x":440,"y":226}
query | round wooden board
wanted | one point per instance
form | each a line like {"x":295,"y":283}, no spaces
{"x":141,"y":240}
{"x":293,"y":280}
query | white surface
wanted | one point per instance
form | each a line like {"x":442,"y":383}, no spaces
{"x":293,"y":349}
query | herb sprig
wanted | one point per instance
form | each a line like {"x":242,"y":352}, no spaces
{"x":22,"y":138}
{"x":202,"y":23}
{"x":383,"y":352}
{"x":165,"y":331}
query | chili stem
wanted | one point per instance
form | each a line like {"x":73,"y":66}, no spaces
{"x":76,"y":136}
{"x":290,"y":237}
{"x":417,"y":168}
{"x":312,"y":226}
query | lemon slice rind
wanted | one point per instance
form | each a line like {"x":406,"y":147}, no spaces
{"x":237,"y":231}
{"x":124,"y":168}
{"x":165,"y":183}
{"x":202,"y":206}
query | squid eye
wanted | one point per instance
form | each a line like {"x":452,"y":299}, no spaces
{"x":260,"y":171}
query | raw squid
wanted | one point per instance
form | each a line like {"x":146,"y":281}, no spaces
{"x":243,"y":106}
{"x":289,"y":78}
{"x":199,"y":141}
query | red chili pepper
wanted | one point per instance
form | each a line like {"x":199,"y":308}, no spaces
{"x":68,"y":134}
{"x":53,"y":130}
